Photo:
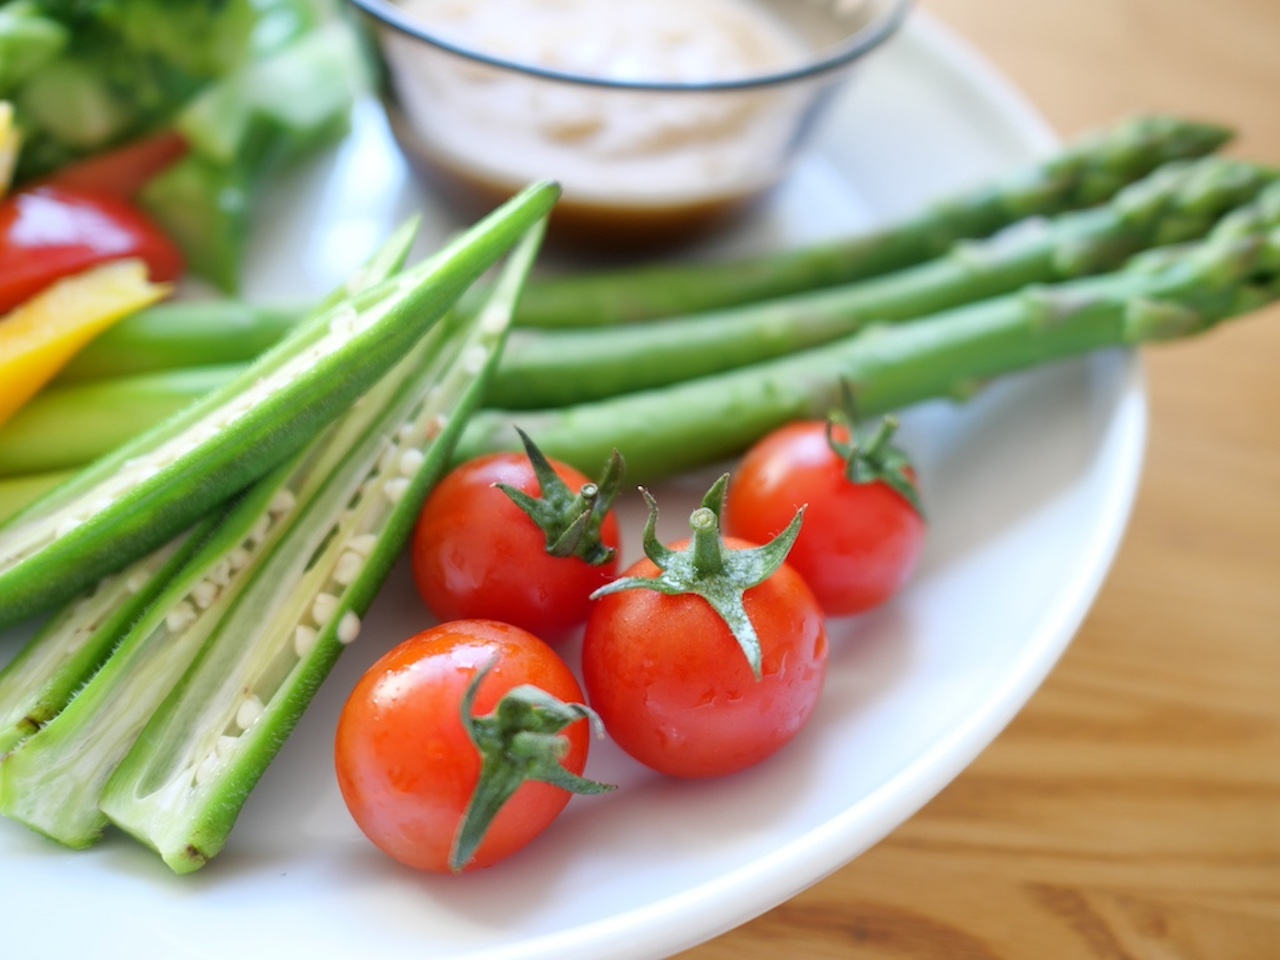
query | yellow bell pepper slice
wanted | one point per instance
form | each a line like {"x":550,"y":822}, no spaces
{"x":9,"y":140}
{"x":38,"y":338}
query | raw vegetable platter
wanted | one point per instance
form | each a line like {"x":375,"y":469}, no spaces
{"x":1028,"y":486}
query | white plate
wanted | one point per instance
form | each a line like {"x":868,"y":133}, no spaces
{"x":1029,"y":488}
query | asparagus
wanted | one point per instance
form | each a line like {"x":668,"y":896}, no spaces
{"x":1086,"y":173}
{"x":1180,"y":201}
{"x":1174,"y":292}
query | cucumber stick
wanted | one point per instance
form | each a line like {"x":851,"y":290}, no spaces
{"x":147,"y":492}
{"x":183,"y":784}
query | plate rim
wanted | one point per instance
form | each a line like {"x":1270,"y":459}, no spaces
{"x":715,"y":906}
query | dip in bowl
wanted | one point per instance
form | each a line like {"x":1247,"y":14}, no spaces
{"x":660,"y":118}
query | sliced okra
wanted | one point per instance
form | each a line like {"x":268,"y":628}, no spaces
{"x":73,"y":643}
{"x":181,"y":787}
{"x":52,"y":780}
{"x":138,"y":498}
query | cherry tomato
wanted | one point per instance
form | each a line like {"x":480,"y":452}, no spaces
{"x":476,"y":554}
{"x":50,"y":232}
{"x":860,"y":541}
{"x":674,"y":688}
{"x":405,"y":763}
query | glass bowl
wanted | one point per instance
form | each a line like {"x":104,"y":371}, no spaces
{"x":661,"y":119}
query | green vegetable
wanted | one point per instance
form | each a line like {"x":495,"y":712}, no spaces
{"x":183,"y":784}
{"x":71,"y":646}
{"x":18,"y":493}
{"x":53,"y":779}
{"x":1179,"y":201}
{"x":1167,"y":293}
{"x":182,"y":334}
{"x":251,"y":123}
{"x":134,"y":500}
{"x":68,"y":426}
{"x":546,"y":368}
{"x":1087,"y":173}
{"x":252,"y":85}
{"x":28,"y":40}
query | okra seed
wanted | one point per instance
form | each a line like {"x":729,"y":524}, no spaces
{"x":396,"y":489}
{"x":348,"y":628}
{"x":348,"y":568}
{"x":304,"y":640}
{"x":363,"y":544}
{"x":404,"y":432}
{"x":493,"y":321}
{"x":182,"y":615}
{"x":473,"y":359}
{"x":436,"y":425}
{"x":136,"y":581}
{"x":283,"y":501}
{"x":208,"y":768}
{"x":204,"y":594}
{"x":387,"y":457}
{"x":221,"y":574}
{"x":411,"y":461}
{"x":323,"y":608}
{"x":259,"y":531}
{"x":249,"y":711}
{"x":238,"y":559}
{"x":225,"y":746}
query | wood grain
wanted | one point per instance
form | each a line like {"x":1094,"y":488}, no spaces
{"x":1132,"y":811}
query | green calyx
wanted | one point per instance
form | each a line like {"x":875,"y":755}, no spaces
{"x":872,"y":458}
{"x":520,"y":741}
{"x":709,"y":569}
{"x":571,"y":520}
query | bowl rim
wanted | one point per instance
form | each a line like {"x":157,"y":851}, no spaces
{"x":882,"y":26}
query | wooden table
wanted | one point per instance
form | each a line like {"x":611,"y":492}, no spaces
{"x":1132,"y":811}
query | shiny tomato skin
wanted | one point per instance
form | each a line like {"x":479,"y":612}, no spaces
{"x":476,"y":554}
{"x":51,"y":232}
{"x":674,"y":689}
{"x":404,"y":762}
{"x":859,"y":543}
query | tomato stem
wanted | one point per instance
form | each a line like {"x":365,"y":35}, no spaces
{"x":874,"y":459}
{"x":709,"y":569}
{"x":518,"y":742}
{"x":570,"y":521}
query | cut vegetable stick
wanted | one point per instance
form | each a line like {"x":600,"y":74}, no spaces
{"x":38,"y":338}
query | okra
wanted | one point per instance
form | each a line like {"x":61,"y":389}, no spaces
{"x":181,"y":787}
{"x":137,"y":498}
{"x":52,"y":780}
{"x":69,"y":648}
